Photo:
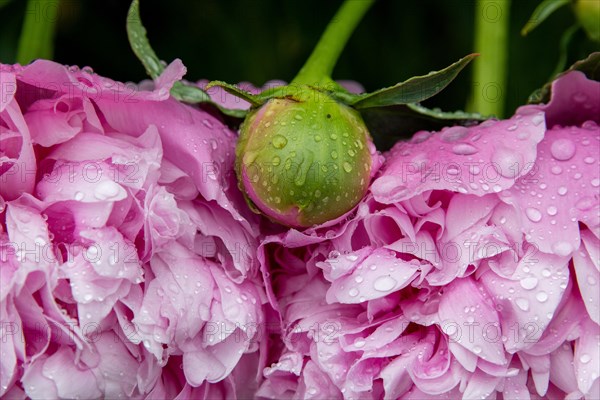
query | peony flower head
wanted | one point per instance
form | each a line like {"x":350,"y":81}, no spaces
{"x":470,"y":270}
{"x":126,"y":248}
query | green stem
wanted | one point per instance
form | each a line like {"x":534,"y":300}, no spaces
{"x":37,"y":35}
{"x":491,"y":41}
{"x":320,"y":64}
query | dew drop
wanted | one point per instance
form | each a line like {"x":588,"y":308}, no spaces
{"x":562,"y":248}
{"x":353,"y":292}
{"x":585,"y":203}
{"x":506,"y":161}
{"x":552,"y":210}
{"x":334,"y":154}
{"x":79,"y":196}
{"x":106,"y":190}
{"x":384,"y":283}
{"x":279,"y":142}
{"x":359,"y":342}
{"x":522,"y":303}
{"x":563,"y":149}
{"x":585,"y":358}
{"x":533,"y":214}
{"x":541,"y":296}
{"x":537,"y":119}
{"x":529,"y":283}
{"x":454,"y":134}
{"x":562,"y":190}
{"x":589,"y":160}
{"x":347,"y":166}
{"x":464,"y":149}
{"x":556,"y":170}
{"x":546,"y":273}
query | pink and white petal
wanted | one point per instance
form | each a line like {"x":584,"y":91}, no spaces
{"x":587,"y":356}
{"x":561,"y":191}
{"x":470,"y":165}
{"x":562,"y":371}
{"x":530,"y":298}
{"x":378,"y":275}
{"x":36,"y":385}
{"x":18,"y":171}
{"x":588,"y":277}
{"x":468,"y":305}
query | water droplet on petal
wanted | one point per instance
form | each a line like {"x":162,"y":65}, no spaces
{"x":585,"y":203}
{"x":556,"y":170}
{"x":79,"y":196}
{"x":522,"y":303}
{"x":589,"y":160}
{"x":562,"y":248}
{"x":552,"y":210}
{"x":454,"y":134}
{"x":585,"y":358}
{"x":541,"y":296}
{"x":533,"y":214}
{"x":563,"y":149}
{"x":106,"y":190}
{"x":347,"y":166}
{"x":464,"y":149}
{"x":529,"y":283}
{"x":384,"y":283}
{"x":506,"y":161}
{"x":537,"y":119}
{"x":562,"y":190}
{"x":353,"y":292}
{"x":359,"y":342}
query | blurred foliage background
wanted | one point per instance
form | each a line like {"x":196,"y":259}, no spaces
{"x":259,"y":40}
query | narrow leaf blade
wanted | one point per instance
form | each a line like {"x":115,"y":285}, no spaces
{"x":541,"y":12}
{"x":415,"y":89}
{"x":236,"y":91}
{"x":139,"y":43}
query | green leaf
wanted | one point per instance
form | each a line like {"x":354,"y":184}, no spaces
{"x":413,"y":90}
{"x":139,"y":42}
{"x":541,"y":12}
{"x":236,"y":91}
{"x":589,"y":66}
{"x":389,"y":124}
{"x":154,"y":66}
{"x":37,"y":35}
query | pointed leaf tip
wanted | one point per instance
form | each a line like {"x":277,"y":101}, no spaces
{"x":415,"y":89}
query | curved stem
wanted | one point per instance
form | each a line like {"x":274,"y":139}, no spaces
{"x":319,"y":66}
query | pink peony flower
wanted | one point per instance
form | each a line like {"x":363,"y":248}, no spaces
{"x":127,"y":262}
{"x":470,"y":270}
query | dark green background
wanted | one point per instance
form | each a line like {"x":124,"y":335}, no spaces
{"x":258,"y":40}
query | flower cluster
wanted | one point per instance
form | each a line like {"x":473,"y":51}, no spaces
{"x":127,"y":263}
{"x":131,"y":266}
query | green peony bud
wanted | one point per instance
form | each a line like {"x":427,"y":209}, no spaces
{"x":304,"y":159}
